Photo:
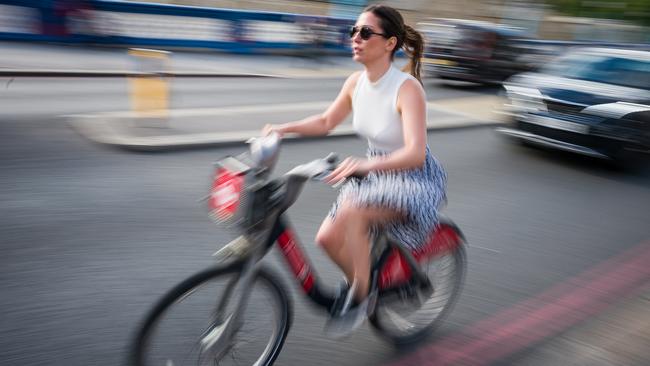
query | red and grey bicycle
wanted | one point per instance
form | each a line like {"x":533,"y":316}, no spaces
{"x":239,"y":312}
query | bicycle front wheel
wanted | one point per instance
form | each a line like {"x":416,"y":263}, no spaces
{"x":185,"y":326}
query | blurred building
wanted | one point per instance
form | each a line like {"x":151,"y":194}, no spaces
{"x":538,"y":19}
{"x":283,"y":24}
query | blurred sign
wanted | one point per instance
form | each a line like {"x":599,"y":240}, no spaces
{"x":269,"y":31}
{"x":160,"y":26}
{"x":131,"y":23}
{"x":18,"y":19}
{"x":150,"y":93}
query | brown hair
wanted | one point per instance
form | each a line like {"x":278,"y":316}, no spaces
{"x":408,"y":38}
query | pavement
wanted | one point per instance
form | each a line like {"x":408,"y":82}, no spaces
{"x":191,"y":128}
{"x":617,"y":336}
{"x":186,"y":128}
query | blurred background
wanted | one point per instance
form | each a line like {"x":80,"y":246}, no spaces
{"x":206,"y":21}
{"x":112,"y":113}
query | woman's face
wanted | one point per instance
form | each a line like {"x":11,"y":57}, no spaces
{"x":375,"y":47}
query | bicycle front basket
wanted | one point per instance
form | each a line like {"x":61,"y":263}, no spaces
{"x":228,"y":200}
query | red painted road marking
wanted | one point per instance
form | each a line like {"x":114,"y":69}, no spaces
{"x":538,"y":318}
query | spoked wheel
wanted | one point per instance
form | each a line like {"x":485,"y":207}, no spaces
{"x":187,"y":325}
{"x":407,"y":316}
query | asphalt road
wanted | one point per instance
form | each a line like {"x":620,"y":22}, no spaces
{"x":91,"y":236}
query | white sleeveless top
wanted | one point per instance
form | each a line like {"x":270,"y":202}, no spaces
{"x":374,"y":110}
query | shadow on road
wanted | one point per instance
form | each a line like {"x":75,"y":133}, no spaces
{"x":636,"y":172}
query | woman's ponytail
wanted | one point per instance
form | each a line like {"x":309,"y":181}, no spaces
{"x":408,"y":39}
{"x":414,"y":48}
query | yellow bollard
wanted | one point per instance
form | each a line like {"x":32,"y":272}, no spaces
{"x":149,"y":94}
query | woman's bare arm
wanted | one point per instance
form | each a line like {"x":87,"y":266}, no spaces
{"x":322,"y":124}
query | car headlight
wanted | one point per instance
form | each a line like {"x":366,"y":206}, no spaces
{"x":524,"y":99}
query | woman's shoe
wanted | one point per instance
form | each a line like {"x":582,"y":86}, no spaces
{"x":343,"y":324}
{"x":347,"y":314}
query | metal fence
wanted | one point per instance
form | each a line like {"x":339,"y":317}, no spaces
{"x":168,"y":26}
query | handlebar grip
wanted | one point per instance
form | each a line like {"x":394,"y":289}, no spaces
{"x":332,"y":158}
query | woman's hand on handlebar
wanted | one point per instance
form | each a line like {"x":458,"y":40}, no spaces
{"x":271,"y":128}
{"x":351,"y":166}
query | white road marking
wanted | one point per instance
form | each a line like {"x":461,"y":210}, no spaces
{"x":263,"y":109}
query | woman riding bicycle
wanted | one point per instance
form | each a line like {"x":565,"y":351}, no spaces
{"x":399,"y":185}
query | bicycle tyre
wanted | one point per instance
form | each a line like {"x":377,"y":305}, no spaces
{"x":184,"y":290}
{"x":403,"y":334}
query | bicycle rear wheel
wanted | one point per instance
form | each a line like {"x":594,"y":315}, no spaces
{"x":402,"y":318}
{"x":188,"y":319}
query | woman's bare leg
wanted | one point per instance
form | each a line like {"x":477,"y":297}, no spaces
{"x":346,"y":240}
{"x":331,"y":237}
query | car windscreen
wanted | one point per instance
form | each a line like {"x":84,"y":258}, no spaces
{"x":603,"y":69}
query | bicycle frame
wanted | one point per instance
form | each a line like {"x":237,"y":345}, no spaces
{"x":389,"y":258}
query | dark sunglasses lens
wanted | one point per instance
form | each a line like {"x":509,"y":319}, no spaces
{"x":365,"y":33}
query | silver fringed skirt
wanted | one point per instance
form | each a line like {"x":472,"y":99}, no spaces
{"x":415,"y":193}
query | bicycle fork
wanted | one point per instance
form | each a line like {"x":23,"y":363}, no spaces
{"x":217,"y":340}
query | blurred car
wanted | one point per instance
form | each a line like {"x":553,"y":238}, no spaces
{"x":471,"y":50}
{"x":591,"y":101}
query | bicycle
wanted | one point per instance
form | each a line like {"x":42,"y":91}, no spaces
{"x":413,"y":289}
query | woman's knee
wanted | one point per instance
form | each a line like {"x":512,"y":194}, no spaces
{"x":333,"y":230}
{"x":327,"y":234}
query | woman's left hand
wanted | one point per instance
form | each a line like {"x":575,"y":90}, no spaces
{"x":349,"y":166}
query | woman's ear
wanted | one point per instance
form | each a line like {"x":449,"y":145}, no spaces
{"x":391,"y":43}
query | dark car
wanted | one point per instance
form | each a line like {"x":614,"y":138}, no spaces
{"x":592,"y":101}
{"x":473,"y":51}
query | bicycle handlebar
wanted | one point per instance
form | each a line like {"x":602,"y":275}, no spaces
{"x":264,"y":152}
{"x":316,"y":169}
{"x":295,"y":178}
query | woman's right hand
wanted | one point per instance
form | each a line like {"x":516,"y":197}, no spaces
{"x":271,"y":128}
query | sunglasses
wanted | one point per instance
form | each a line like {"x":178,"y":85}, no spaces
{"x":365,"y":32}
